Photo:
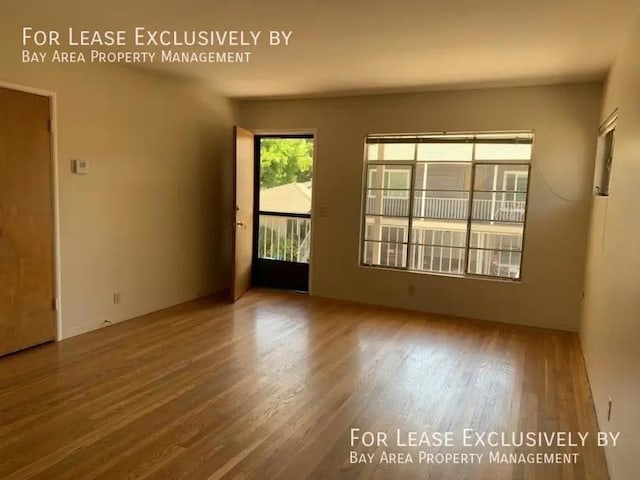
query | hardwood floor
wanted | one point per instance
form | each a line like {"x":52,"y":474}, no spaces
{"x":272,"y":386}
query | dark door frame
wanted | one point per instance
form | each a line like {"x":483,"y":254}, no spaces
{"x":276,"y":273}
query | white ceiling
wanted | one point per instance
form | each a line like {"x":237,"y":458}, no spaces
{"x":342,"y":47}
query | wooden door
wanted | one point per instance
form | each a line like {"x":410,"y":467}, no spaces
{"x":26,"y":222}
{"x":243,"y":177}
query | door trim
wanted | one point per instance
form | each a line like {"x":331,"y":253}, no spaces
{"x":285,"y":133}
{"x":238,"y":133}
{"x":53,"y":142}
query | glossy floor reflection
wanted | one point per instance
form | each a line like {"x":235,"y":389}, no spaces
{"x":272,"y":386}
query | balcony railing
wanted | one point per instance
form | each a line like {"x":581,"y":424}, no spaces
{"x":284,"y":238}
{"x":451,"y":208}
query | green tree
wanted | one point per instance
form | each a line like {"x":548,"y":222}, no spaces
{"x":285,"y":160}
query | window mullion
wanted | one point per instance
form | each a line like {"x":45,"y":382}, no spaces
{"x":412,"y":188}
{"x":470,"y":209}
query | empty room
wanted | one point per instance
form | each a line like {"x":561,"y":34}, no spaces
{"x":320,"y":240}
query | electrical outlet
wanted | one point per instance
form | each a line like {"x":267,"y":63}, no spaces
{"x":116,"y":298}
{"x":609,"y":409}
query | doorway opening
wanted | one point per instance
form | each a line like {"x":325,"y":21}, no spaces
{"x":282,"y":224}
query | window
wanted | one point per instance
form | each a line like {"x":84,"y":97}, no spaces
{"x":606,"y":146}
{"x":453,"y":204}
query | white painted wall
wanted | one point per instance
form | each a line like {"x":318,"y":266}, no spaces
{"x":565,"y":119}
{"x":610,"y":330}
{"x":147,"y":220}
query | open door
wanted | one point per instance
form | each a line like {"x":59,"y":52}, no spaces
{"x":242,"y":243}
{"x":27,"y":316}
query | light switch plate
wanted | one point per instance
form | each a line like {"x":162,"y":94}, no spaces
{"x":80,"y":167}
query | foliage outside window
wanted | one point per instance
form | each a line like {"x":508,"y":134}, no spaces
{"x":285,"y":160}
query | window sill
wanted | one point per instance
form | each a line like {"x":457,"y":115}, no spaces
{"x":446,"y":275}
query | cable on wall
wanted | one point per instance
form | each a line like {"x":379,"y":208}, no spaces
{"x":553,"y":191}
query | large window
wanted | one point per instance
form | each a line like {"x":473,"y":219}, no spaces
{"x":453,"y":204}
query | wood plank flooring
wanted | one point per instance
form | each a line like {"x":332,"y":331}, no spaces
{"x":271,"y":387}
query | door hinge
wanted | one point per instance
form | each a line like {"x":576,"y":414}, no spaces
{"x":49,"y":125}
{"x":54,"y":304}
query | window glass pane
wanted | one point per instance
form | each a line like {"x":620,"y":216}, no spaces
{"x":385,"y":176}
{"x":443,"y":176}
{"x":372,"y":152}
{"x":394,"y":234}
{"x":438,"y":204}
{"x":503,"y":151}
{"x":391,"y":151}
{"x":385,"y":254}
{"x":501,"y":207}
{"x":437,"y":259}
{"x":396,"y":178}
{"x":388,"y":203}
{"x":367,"y":253}
{"x":494,"y":236}
{"x":511,"y":178}
{"x":445,"y":152}
{"x":438,"y":250}
{"x":393,"y":254}
{"x":374,"y":178}
{"x":504,"y":264}
{"x":430,"y":236}
{"x":387,"y":229}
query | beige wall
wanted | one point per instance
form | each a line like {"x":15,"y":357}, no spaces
{"x":147,"y":220}
{"x":610,"y":330}
{"x":564,"y":118}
